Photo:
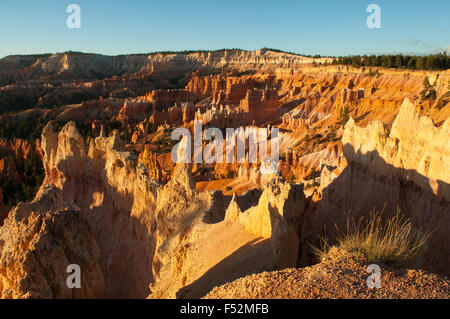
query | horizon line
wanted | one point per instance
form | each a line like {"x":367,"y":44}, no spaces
{"x":189,"y":51}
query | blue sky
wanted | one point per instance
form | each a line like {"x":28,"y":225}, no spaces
{"x":311,"y":27}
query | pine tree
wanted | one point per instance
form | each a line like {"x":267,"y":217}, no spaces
{"x":420,"y":64}
{"x":398,"y":61}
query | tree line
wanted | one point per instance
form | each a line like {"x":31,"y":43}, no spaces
{"x":439,"y":61}
{"x":31,"y":175}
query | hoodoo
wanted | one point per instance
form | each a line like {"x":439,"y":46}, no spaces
{"x":89,"y":177}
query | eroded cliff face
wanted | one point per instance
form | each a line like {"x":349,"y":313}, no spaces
{"x":179,"y":240}
{"x":38,"y":241}
{"x":406,"y":168}
{"x":73,"y":77}
{"x":325,"y":280}
{"x":115,"y":195}
{"x":205,"y":239}
{"x":74,"y":65}
{"x":174,"y":241}
{"x":183,"y":241}
{"x":414,"y":144}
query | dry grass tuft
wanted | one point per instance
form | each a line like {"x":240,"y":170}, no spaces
{"x":389,"y":241}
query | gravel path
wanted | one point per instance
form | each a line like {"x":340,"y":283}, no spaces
{"x":341,"y":275}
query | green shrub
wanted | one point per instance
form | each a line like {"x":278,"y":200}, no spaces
{"x":344,"y":115}
{"x":428,"y":92}
{"x":443,"y":100}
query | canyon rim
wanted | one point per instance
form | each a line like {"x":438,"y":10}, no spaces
{"x":224,"y":174}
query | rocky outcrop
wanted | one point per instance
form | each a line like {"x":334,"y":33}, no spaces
{"x":201,"y":243}
{"x":115,"y":195}
{"x":162,"y":99}
{"x":306,"y":167}
{"x":414,"y":144}
{"x":72,"y":77}
{"x":260,"y":105}
{"x":342,"y":275}
{"x":405,"y":168}
{"x":134,"y":110}
{"x":38,"y":242}
{"x":236,"y":100}
{"x":150,"y":162}
{"x":173,"y":237}
{"x":183,"y":241}
{"x":250,"y":95}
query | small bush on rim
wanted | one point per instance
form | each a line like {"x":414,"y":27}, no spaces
{"x":390,"y":240}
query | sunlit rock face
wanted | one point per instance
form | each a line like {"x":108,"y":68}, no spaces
{"x":143,"y":238}
{"x":205,"y":239}
{"x":150,"y":231}
{"x":144,"y":233}
{"x":403,"y":168}
{"x":39,"y":241}
{"x":116,"y":196}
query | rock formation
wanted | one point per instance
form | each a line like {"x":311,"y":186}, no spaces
{"x":150,"y":162}
{"x":405,"y":168}
{"x":73,"y":77}
{"x":38,"y":242}
{"x":116,"y":196}
{"x":342,"y":275}
{"x":202,"y":241}
{"x":144,"y":233}
{"x":353,"y":138}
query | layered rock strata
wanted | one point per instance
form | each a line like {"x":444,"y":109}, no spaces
{"x":404,"y":168}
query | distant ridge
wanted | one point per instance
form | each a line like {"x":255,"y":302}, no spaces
{"x":165,"y":52}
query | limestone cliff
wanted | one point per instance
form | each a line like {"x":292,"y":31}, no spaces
{"x":77,"y":77}
{"x":405,"y":168}
{"x":180,"y":240}
{"x":76,"y":65}
{"x":414,"y":144}
{"x":38,"y":241}
{"x":202,"y":243}
{"x":115,"y":195}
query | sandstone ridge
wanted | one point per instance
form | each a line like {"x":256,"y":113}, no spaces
{"x":180,"y":241}
{"x":205,"y":238}
{"x":38,"y":242}
{"x":403,"y":168}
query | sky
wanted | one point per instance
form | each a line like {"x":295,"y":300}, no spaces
{"x":329,"y":28}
